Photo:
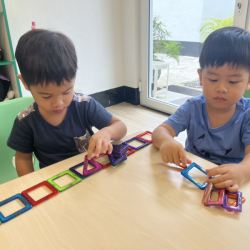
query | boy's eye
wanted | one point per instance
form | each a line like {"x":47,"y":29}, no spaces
{"x":212,"y":80}
{"x":66,"y":93}
{"x":233,"y":82}
{"x":46,"y":97}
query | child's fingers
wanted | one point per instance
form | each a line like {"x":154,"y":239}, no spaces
{"x":98,"y":147}
{"x":90,"y":150}
{"x":233,"y":188}
{"x":164,"y":158}
{"x":225,"y":184}
{"x":218,"y":179}
{"x":170,"y":158}
{"x":216,"y":171}
{"x":183,"y":157}
{"x":189,"y":161}
{"x":176,"y":159}
{"x":110,"y":148}
{"x":104,"y":146}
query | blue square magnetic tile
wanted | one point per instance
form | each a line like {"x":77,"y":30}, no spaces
{"x":185,"y":174}
{"x":12,"y":216}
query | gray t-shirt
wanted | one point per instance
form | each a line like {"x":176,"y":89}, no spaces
{"x":51,"y":144}
{"x":222,"y":145}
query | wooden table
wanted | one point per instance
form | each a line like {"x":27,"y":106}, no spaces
{"x":142,"y":204}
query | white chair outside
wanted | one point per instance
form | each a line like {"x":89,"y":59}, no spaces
{"x":157,"y":65}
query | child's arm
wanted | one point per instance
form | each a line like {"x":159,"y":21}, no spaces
{"x":171,"y":150}
{"x":115,"y":130}
{"x":24,"y":163}
{"x":231,"y":176}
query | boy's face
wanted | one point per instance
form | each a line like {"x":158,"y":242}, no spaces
{"x":52,"y":99}
{"x":223,"y":87}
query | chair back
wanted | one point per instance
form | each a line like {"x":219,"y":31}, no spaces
{"x":8,"y":112}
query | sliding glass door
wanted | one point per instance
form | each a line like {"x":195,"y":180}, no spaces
{"x":172,"y":34}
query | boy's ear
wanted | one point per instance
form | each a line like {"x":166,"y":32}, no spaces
{"x":23,"y":82}
{"x":199,"y":73}
{"x":248,"y":85}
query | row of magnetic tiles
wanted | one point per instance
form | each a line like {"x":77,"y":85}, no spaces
{"x":119,"y":154}
{"x":223,"y":194}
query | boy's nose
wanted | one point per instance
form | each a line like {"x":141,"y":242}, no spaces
{"x":57,"y":103}
{"x":221,"y":88}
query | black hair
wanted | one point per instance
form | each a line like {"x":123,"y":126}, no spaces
{"x":229,"y":45}
{"x":44,"y":56}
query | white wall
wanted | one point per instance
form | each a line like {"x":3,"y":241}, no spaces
{"x":131,"y":42}
{"x":106,"y":33}
{"x":95,"y":26}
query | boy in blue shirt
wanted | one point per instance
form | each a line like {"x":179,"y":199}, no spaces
{"x":217,"y":122}
{"x":58,"y":125}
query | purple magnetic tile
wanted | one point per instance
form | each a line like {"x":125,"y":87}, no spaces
{"x":87,"y":172}
{"x":115,"y":159}
{"x":145,"y":143}
{"x":73,"y":169}
{"x":120,"y":149}
{"x":238,"y":207}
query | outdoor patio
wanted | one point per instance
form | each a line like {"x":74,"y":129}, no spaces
{"x":183,"y":81}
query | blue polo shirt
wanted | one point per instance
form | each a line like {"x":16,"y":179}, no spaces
{"x":51,"y":144}
{"x":222,"y":145}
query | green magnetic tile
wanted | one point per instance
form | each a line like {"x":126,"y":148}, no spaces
{"x":207,"y":192}
{"x":77,"y":180}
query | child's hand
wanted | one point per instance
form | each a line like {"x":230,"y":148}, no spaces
{"x":98,"y":141}
{"x":173,"y":152}
{"x":231,"y":176}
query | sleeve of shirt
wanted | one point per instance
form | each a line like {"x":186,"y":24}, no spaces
{"x":246,"y":131}
{"x":20,"y":138}
{"x":179,"y":121}
{"x":98,"y":116}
